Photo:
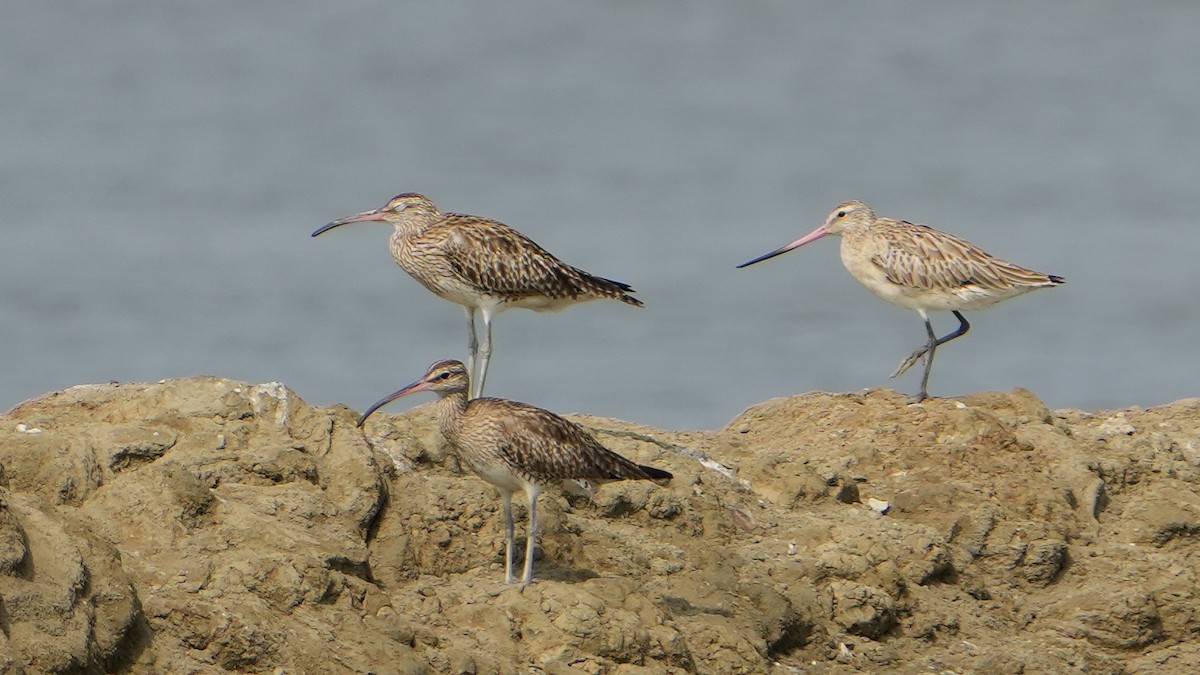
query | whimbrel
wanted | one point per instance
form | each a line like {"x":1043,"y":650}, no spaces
{"x":483,"y":265}
{"x":920,"y":268}
{"x":515,"y":446}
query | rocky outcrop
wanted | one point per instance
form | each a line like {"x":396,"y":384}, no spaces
{"x":205,"y":525}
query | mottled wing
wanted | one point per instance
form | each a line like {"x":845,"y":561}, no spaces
{"x":501,"y":261}
{"x":924,"y":258}
{"x":548,"y":448}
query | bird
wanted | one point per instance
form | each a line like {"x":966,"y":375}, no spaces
{"x":483,"y":265}
{"x":919,"y":268}
{"x":516,"y":447}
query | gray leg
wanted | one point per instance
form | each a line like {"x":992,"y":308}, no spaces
{"x":472,"y":344}
{"x":485,"y":354}
{"x":912,"y":359}
{"x":530,"y":536}
{"x":931,"y":348}
{"x":506,"y":498}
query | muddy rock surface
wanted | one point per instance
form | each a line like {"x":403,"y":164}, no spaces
{"x":205,"y":525}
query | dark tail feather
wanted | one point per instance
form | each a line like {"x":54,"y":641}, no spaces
{"x":630,"y":300}
{"x":656,"y":475}
{"x":619,"y":284}
{"x":620,"y":291}
{"x":1056,"y":279}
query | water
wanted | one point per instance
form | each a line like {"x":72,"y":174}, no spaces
{"x":163,"y":164}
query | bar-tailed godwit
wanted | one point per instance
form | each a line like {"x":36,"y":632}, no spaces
{"x":483,"y":265}
{"x":920,"y":268}
{"x":515,"y":446}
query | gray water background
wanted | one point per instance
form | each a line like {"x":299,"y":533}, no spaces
{"x":162,"y":165}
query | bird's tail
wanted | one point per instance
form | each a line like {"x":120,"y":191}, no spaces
{"x":656,"y":475}
{"x":608,"y":288}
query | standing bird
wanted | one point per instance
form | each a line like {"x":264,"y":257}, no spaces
{"x":483,"y":265}
{"x":920,"y":268}
{"x":515,"y":446}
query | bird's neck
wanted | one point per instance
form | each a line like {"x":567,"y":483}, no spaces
{"x":450,"y":409}
{"x":414,"y":222}
{"x":852,"y":235}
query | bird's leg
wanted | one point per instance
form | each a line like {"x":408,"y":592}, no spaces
{"x":931,"y":348}
{"x":472,"y":346}
{"x":506,"y":498}
{"x":485,"y":354}
{"x":912,"y":359}
{"x":530,"y":536}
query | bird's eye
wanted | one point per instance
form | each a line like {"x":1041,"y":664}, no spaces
{"x":841,"y":214}
{"x":445,"y":375}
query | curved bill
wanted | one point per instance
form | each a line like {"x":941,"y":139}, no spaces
{"x":811,"y":236}
{"x":356,"y":218}
{"x":419,"y":385}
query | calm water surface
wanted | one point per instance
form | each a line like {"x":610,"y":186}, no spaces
{"x":163,"y":165}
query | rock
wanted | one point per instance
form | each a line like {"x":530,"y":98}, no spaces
{"x":1043,"y":560}
{"x":1120,"y":618}
{"x":1174,"y":513}
{"x":66,"y":598}
{"x":1116,"y":425}
{"x":206,"y":525}
{"x":862,"y":610}
{"x":231,"y":546}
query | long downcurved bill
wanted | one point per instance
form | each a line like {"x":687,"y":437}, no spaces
{"x":419,"y":385}
{"x":356,"y":218}
{"x":811,"y":236}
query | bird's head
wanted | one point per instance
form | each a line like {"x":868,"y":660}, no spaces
{"x":847,"y":216}
{"x":399,"y":210}
{"x":445,"y":378}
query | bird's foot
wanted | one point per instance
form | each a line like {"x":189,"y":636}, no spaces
{"x":911,"y":361}
{"x":511,"y":584}
{"x":920,"y":397}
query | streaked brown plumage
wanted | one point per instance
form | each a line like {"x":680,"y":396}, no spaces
{"x":483,"y":265}
{"x":515,"y":446}
{"x":920,"y":268}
